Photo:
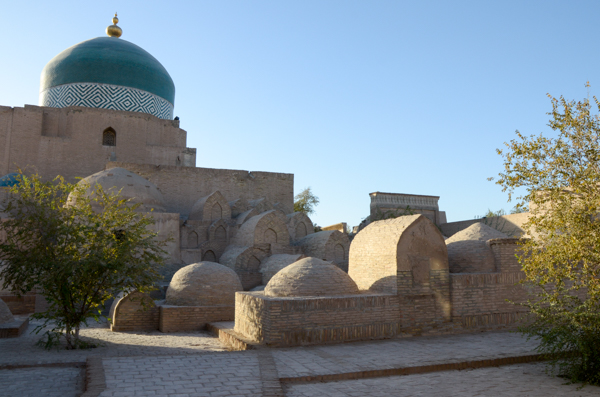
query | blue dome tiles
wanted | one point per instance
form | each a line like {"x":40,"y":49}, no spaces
{"x":108,"y":73}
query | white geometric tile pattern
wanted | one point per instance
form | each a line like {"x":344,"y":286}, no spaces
{"x":105,"y":96}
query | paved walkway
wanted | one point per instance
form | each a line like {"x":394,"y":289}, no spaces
{"x":398,"y":353}
{"x":196,"y":364}
{"x":508,"y":381}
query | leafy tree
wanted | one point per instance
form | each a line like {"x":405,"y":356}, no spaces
{"x":519,"y":209}
{"x":491,"y":214}
{"x":306,"y":201}
{"x":77,"y":249}
{"x":560,"y":178}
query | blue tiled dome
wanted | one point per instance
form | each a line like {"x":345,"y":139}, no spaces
{"x":109,"y":73}
{"x":9,"y":180}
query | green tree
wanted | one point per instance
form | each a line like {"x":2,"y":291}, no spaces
{"x":78,"y":246}
{"x":305,"y":201}
{"x":560,"y":178}
{"x":491,"y":214}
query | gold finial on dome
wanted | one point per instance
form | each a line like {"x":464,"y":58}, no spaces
{"x":113,"y":30}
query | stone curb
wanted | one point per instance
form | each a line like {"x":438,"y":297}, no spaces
{"x":271,"y":385}
{"x":77,"y":364}
{"x":419,"y":369}
{"x":95,"y":381}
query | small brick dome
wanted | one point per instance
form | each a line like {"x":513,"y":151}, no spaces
{"x":132,"y":186}
{"x":203,"y":284}
{"x":311,"y":277}
{"x":468,"y":251}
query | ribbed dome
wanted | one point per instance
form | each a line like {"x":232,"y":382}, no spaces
{"x":311,"y":277}
{"x":108,"y":73}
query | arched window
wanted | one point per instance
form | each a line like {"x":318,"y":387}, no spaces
{"x":109,"y":137}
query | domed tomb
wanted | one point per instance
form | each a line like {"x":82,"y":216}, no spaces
{"x":311,"y":277}
{"x":108,"y":73}
{"x":468,"y":251}
{"x":132,"y":186}
{"x":274,"y":263}
{"x":203,"y":284}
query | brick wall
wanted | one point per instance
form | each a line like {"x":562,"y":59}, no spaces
{"x":481,"y":300}
{"x":68,"y":141}
{"x":504,"y":251}
{"x":183,"y":186}
{"x":298,"y":321}
{"x":192,"y":318}
{"x":24,"y":304}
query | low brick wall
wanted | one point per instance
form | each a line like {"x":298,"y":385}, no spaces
{"x":308,"y":320}
{"x":24,"y":304}
{"x":192,"y":318}
{"x":14,"y":328}
{"x":481,"y":300}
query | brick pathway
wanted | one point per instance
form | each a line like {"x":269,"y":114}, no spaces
{"x":197,"y":365}
{"x":23,"y":351}
{"x":224,"y":374}
{"x":509,"y":381}
{"x":397,"y":353}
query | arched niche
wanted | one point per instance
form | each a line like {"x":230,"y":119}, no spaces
{"x":211,"y":208}
{"x":218,"y":231}
{"x":246,"y":262}
{"x":192,"y":239}
{"x":109,"y":137}
{"x":299,"y":225}
{"x":255,"y":231}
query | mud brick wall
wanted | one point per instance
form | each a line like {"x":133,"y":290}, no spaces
{"x":24,"y":304}
{"x":192,"y":318}
{"x":298,"y":321}
{"x":480,"y":300}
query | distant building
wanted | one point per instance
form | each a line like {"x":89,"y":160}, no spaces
{"x":392,"y":204}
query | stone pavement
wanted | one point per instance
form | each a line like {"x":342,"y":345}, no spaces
{"x":23,"y":351}
{"x":507,"y":381}
{"x":42,"y":381}
{"x":196,"y":364}
{"x":398,"y":353}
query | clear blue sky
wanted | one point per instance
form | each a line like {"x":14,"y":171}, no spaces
{"x":351,"y":97}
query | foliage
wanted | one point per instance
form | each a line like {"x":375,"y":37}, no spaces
{"x":561,"y":180}
{"x":519,"y":209}
{"x":490,"y":213}
{"x":76,"y":249}
{"x":306,"y":201}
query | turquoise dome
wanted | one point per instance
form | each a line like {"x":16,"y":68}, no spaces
{"x":109,"y":60}
{"x":108,"y":73}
